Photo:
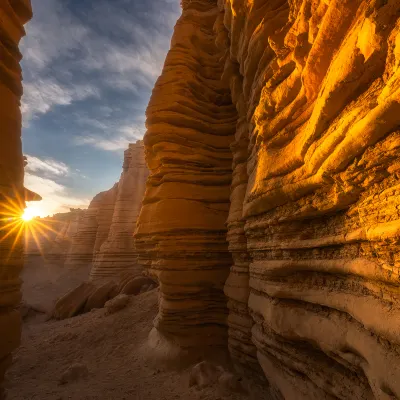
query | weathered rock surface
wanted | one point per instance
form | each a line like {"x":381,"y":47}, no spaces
{"x":73,"y":303}
{"x":13,"y":14}
{"x":312,"y":218}
{"x":117,"y":255}
{"x":91,"y":229}
{"x":181,"y":231}
{"x":117,"y":303}
{"x":89,"y":295}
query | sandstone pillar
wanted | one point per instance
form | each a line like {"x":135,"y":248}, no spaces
{"x":13,"y":14}
{"x":181,"y":233}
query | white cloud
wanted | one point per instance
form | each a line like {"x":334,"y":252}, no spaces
{"x":41,"y":95}
{"x":117,"y":142}
{"x":55,"y":196}
{"x":47,"y":165}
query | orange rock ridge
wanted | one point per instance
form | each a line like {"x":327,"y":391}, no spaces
{"x":313,"y":223}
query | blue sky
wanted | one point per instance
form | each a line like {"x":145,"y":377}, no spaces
{"x":89,"y":67}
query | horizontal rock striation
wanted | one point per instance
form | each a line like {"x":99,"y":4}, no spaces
{"x":117,"y":255}
{"x":91,"y":227}
{"x":181,"y":233}
{"x":13,"y":14}
{"x":313,"y":224}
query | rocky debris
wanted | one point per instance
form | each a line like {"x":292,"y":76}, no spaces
{"x":205,"y":374}
{"x":231,"y":383}
{"x":73,"y":303}
{"x":117,"y":303}
{"x":73,"y":373}
{"x":100,"y":296}
{"x":138,"y":285}
{"x":28,"y":310}
{"x":89,"y":295}
{"x":117,"y":255}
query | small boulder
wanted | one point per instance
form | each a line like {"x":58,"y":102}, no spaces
{"x":205,"y":374}
{"x":73,"y":373}
{"x":124,"y":279}
{"x":73,"y":303}
{"x":231,"y":383}
{"x":100,"y":296}
{"x":135,"y":285}
{"x":117,"y":303}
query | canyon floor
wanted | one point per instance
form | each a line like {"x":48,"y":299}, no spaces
{"x":113,"y":348}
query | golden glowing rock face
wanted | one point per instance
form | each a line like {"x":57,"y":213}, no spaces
{"x":13,"y":14}
{"x":313,"y":221}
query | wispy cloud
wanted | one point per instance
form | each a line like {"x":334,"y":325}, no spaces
{"x":48,"y":165}
{"x":117,"y":142}
{"x":41,"y":95}
{"x":88,"y":68}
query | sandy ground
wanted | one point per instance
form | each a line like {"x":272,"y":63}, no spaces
{"x":113,"y":348}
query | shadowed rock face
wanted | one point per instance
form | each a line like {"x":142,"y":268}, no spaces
{"x":313,"y":224}
{"x":55,"y":236}
{"x":117,"y":255}
{"x":92,"y":229}
{"x":13,"y":14}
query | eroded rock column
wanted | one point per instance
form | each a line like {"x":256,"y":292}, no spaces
{"x":181,"y":232}
{"x":117,"y":254}
{"x":13,"y":14}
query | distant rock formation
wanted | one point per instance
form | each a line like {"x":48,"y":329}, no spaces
{"x":83,"y":241}
{"x":118,"y":255}
{"x":50,"y":237}
{"x":104,"y":235}
{"x":13,"y":15}
{"x":280,"y":118}
{"x":62,"y":243}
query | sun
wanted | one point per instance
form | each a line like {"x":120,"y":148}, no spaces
{"x":28,"y":214}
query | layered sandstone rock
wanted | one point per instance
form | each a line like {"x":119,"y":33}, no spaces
{"x":117,"y":255}
{"x":181,"y":231}
{"x":104,"y":217}
{"x":13,"y":14}
{"x":313,"y":225}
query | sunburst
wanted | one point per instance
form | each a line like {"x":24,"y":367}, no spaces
{"x":16,"y":221}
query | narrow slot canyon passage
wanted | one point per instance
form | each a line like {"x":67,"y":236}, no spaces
{"x":249,"y":248}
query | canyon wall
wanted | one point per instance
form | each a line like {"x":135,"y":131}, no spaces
{"x":104,"y":236}
{"x":81,"y":250}
{"x":67,"y":227}
{"x":13,"y":14}
{"x":117,"y":255}
{"x":291,"y":108}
